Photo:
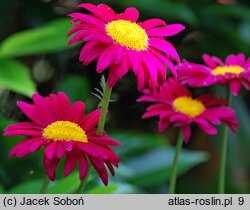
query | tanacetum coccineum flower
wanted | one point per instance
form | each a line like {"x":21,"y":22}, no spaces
{"x":175,"y":106}
{"x":63,"y":130}
{"x":235,"y":71}
{"x":120,"y":42}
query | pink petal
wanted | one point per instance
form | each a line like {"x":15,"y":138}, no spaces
{"x":206,"y":127}
{"x":131,"y":14}
{"x":64,"y":105}
{"x":50,"y":167}
{"x":70,"y":163}
{"x":166,"y":47}
{"x":118,"y":71}
{"x":163,"y":124}
{"x":90,"y":120}
{"x":209,"y":61}
{"x":151,"y":23}
{"x":110,"y":167}
{"x":186,"y":131}
{"x":32,"y":113}
{"x":45,"y":107}
{"x":69,"y":145}
{"x":75,"y":29}
{"x":27,"y":146}
{"x":87,"y":18}
{"x":77,"y":111}
{"x":83,"y":166}
{"x":107,"y":12}
{"x":90,"y":7}
{"x":23,"y":125}
{"x":104,"y":140}
{"x":60,"y":150}
{"x":50,"y":149}
{"x":107,"y":58}
{"x":134,"y":60}
{"x":235,"y":86}
{"x":231,"y":60}
{"x":91,"y":51}
{"x":100,"y":169}
{"x":26,"y":132}
{"x":168,"y":30}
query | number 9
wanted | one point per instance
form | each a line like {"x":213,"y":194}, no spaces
{"x":241,"y":200}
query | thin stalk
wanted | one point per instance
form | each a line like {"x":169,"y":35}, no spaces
{"x":104,"y":107}
{"x":100,"y":127}
{"x":175,"y":164}
{"x":223,"y":151}
{"x":45,"y":185}
{"x":83,"y":183}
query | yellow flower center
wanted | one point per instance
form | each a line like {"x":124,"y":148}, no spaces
{"x":65,"y":130}
{"x":222,"y":70}
{"x":128,"y":34}
{"x":188,"y":106}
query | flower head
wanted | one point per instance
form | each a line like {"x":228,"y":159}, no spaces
{"x":120,"y":42}
{"x":175,"y":106}
{"x":63,"y":130}
{"x":235,"y":71}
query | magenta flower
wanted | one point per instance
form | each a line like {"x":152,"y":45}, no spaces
{"x":175,"y":106}
{"x":235,"y":71}
{"x":63,"y":130}
{"x":120,"y":42}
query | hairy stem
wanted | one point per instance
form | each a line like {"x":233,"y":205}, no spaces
{"x":100,"y":127}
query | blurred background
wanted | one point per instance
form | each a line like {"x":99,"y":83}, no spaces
{"x":35,"y":57}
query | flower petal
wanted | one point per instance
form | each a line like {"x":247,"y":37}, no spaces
{"x":151,"y":23}
{"x":168,"y":30}
{"x":70,"y":163}
{"x":131,"y":14}
{"x":83,"y":167}
{"x":235,"y":86}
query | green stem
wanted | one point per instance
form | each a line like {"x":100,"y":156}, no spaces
{"x":105,"y":104}
{"x":83,"y":183}
{"x":175,"y":164}
{"x":223,"y":151}
{"x":100,"y":127}
{"x":45,"y":185}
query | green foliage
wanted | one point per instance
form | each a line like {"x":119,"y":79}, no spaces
{"x":30,"y":187}
{"x":155,"y":166}
{"x":9,"y":69}
{"x":114,"y":188}
{"x":65,"y":185}
{"x":150,"y":158}
{"x":46,"y":39}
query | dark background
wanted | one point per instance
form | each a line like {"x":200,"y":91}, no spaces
{"x":40,"y":60}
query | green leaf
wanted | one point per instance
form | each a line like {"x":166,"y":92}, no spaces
{"x":135,"y":142}
{"x":49,"y":38}
{"x":155,"y":166}
{"x":79,"y":84}
{"x":15,"y":76}
{"x":31,"y":187}
{"x":114,"y":188}
{"x":1,"y":189}
{"x":66,"y":185}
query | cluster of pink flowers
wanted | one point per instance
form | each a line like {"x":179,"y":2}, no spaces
{"x":119,"y":43}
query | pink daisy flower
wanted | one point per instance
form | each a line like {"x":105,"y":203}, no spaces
{"x":175,"y":106}
{"x":120,"y":42}
{"x":235,"y":71}
{"x":63,"y":130}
